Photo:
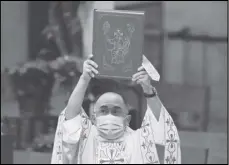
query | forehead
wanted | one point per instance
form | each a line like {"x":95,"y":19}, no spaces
{"x":112,"y":99}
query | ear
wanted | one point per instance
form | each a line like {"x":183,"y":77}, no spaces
{"x":128,"y":119}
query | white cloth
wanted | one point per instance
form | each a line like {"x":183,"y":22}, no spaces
{"x":76,"y":142}
{"x":152,"y":72}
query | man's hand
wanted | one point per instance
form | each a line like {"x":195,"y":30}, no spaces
{"x":142,"y":78}
{"x":75,"y":101}
{"x":89,"y":69}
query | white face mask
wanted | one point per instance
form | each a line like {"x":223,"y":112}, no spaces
{"x":110,"y":127}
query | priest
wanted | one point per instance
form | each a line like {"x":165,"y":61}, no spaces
{"x":106,"y":138}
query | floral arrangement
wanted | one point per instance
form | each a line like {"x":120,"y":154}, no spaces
{"x":33,"y":82}
{"x":66,"y":70}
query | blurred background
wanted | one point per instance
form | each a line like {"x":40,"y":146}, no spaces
{"x":43,"y":45}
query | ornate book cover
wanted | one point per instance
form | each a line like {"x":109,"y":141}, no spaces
{"x":118,"y":42}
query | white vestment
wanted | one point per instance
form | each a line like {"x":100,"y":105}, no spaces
{"x":77,"y":142}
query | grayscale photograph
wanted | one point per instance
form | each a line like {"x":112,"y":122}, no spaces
{"x":114,"y":82}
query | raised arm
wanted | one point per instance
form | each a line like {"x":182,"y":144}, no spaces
{"x":75,"y":101}
{"x":158,"y":122}
{"x":72,"y":122}
{"x":164,"y":131}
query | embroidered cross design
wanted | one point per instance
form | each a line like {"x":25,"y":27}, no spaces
{"x":84,"y":137}
{"x":59,"y":153}
{"x":112,"y":161}
{"x":113,"y":154}
{"x":144,"y":145}
{"x":167,"y":122}
{"x":171,"y":137}
{"x":150,"y":143}
{"x":171,"y":141}
{"x":59,"y":133}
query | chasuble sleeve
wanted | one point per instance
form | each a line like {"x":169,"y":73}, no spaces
{"x":70,"y":138}
{"x":165,"y":133}
{"x":72,"y":130}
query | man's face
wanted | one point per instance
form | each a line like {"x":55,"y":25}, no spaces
{"x":110,"y":103}
{"x":111,"y":116}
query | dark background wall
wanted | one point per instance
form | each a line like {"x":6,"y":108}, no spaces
{"x":38,"y":19}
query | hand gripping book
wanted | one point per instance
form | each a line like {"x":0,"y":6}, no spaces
{"x":118,"y":42}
